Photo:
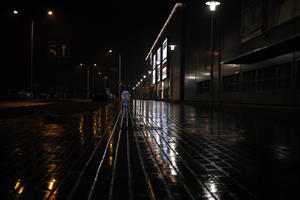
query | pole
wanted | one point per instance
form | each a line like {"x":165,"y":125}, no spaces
{"x":212,"y":60}
{"x":119,"y":86}
{"x":88,"y":83}
{"x":31,"y":54}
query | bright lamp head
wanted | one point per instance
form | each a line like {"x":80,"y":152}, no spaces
{"x":212,"y":5}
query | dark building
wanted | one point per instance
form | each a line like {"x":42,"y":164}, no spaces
{"x":245,"y":52}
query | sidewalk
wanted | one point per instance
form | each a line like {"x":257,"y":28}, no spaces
{"x":157,"y":150}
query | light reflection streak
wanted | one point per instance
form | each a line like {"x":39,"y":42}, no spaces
{"x":110,"y":160}
{"x":51,"y":184}
{"x":21,"y":190}
{"x":18,"y":183}
{"x":81,"y":133}
{"x":212,"y":189}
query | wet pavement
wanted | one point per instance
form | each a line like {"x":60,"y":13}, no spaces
{"x":156,"y":150}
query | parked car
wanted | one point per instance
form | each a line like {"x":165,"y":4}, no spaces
{"x":102,"y":95}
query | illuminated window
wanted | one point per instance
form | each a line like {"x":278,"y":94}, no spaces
{"x":165,"y":48}
{"x":153,"y":61}
{"x":158,"y":73}
{"x":164,"y":70}
{"x":158,"y":56}
{"x":154,"y":77}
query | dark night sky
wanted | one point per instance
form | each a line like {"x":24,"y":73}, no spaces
{"x":92,"y":28}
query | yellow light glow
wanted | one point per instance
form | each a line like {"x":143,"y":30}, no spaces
{"x":50,"y":12}
{"x":20,"y":191}
{"x":18,"y":183}
{"x":81,"y":64}
{"x":95,"y":65}
{"x":110,"y":147}
{"x":15,"y":12}
{"x":110,"y":51}
{"x":51,"y":184}
{"x":110,"y":160}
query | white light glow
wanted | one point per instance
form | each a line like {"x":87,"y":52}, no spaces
{"x":172,"y":47}
{"x":212,"y":5}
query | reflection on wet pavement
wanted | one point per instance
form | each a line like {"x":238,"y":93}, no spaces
{"x":228,"y":154}
{"x":158,"y":150}
{"x":42,"y":156}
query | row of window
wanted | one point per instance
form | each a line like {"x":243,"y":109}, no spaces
{"x":270,"y":78}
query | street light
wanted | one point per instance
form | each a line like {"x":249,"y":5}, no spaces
{"x":120,"y":71}
{"x":88,"y":77}
{"x":50,"y":12}
{"x":212,"y":7}
{"x":16,"y":12}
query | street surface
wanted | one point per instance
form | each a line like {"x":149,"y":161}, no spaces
{"x":156,"y":150}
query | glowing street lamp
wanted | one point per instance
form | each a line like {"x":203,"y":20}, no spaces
{"x":15,"y":12}
{"x":172,"y":47}
{"x":50,"y":12}
{"x":144,"y":76}
{"x":212,"y":5}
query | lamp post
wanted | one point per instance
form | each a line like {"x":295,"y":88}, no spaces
{"x":32,"y":24}
{"x":212,"y":7}
{"x":87,"y":78}
{"x":119,"y":71}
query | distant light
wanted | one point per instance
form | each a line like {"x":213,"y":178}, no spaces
{"x":106,"y":77}
{"x":110,"y":51}
{"x":51,"y":184}
{"x":144,"y":76}
{"x":15,"y":12}
{"x":172,"y":47}
{"x":149,"y":72}
{"x":50,"y":12}
{"x":99,"y":73}
{"x":141,"y":80}
{"x":95,"y":65}
{"x":133,"y":88}
{"x":81,"y":64}
{"x":212,"y":5}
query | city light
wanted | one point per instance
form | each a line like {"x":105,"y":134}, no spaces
{"x":81,"y":64}
{"x":15,"y":12}
{"x":110,"y":51}
{"x":172,"y":47}
{"x":95,"y":65}
{"x":144,"y":76}
{"x":50,"y":12}
{"x":212,"y":5}
{"x":149,"y":72}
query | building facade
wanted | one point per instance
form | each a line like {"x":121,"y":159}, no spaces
{"x":246,"y":52}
